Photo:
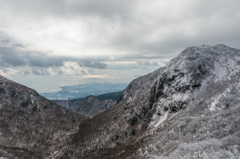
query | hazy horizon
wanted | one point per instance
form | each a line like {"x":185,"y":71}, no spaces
{"x":48,"y":44}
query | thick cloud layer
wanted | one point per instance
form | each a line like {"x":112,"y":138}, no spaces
{"x":92,"y":64}
{"x":98,"y":37}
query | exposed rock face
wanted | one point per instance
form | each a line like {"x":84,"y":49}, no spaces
{"x":90,"y":106}
{"x":178,"y":111}
{"x":30,"y":125}
{"x":187,"y":109}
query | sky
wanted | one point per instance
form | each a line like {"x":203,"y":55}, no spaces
{"x":45,"y":44}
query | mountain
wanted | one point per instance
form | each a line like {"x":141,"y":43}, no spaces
{"x":113,"y":96}
{"x":30,"y":125}
{"x":91,"y":105}
{"x":84,"y":90}
{"x":187,"y":109}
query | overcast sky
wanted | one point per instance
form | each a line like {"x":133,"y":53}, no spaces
{"x":45,"y":44}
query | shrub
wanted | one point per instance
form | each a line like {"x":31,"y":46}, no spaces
{"x":144,"y":110}
{"x":13,"y":94}
{"x":133,"y":132}
{"x":228,"y":100}
{"x":35,"y":108}
{"x":51,"y":103}
{"x":24,"y":104}
{"x":2,"y":90}
{"x":36,"y":94}
{"x":133,"y":121}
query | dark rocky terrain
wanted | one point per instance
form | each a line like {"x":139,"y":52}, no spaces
{"x":91,"y":105}
{"x":30,"y":125}
{"x":188,"y":109}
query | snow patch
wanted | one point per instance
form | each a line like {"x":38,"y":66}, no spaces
{"x":220,"y":72}
{"x":157,"y":120}
{"x":216,"y":99}
{"x":129,"y":100}
{"x":237,"y":58}
{"x":180,"y":97}
{"x":161,"y":120}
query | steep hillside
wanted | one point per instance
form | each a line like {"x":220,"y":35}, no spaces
{"x":187,"y":109}
{"x":30,"y":125}
{"x":90,"y":106}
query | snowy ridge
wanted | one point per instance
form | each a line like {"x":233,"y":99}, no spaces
{"x":192,"y":69}
{"x":187,"y":109}
{"x":203,"y":75}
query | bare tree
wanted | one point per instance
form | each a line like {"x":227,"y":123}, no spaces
{"x":228,"y":100}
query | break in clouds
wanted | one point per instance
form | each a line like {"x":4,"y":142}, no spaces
{"x":97,"y":36}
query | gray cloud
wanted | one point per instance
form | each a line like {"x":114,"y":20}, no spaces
{"x":147,"y":63}
{"x":139,"y":30}
{"x":65,"y":8}
{"x":92,"y":64}
{"x":11,"y":56}
{"x":40,"y":71}
{"x":46,"y":34}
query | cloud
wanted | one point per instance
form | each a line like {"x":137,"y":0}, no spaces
{"x":124,"y":30}
{"x":92,"y":64}
{"x":13,"y":56}
{"x":14,"y":60}
{"x":67,"y":8}
{"x":37,"y":71}
{"x":147,"y":63}
{"x":94,"y":76}
{"x":101,"y":36}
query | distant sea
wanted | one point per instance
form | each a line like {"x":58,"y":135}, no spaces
{"x":84,"y":90}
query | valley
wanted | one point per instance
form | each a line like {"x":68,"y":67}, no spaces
{"x":188,"y":109}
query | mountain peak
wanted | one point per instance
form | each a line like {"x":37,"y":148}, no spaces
{"x":166,"y":109}
{"x":212,"y":46}
{"x":187,"y":109}
{"x":204,"y":46}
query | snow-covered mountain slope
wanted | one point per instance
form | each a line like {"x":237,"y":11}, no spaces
{"x":30,"y":125}
{"x":91,"y":105}
{"x":189,"y":108}
{"x":197,"y":105}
